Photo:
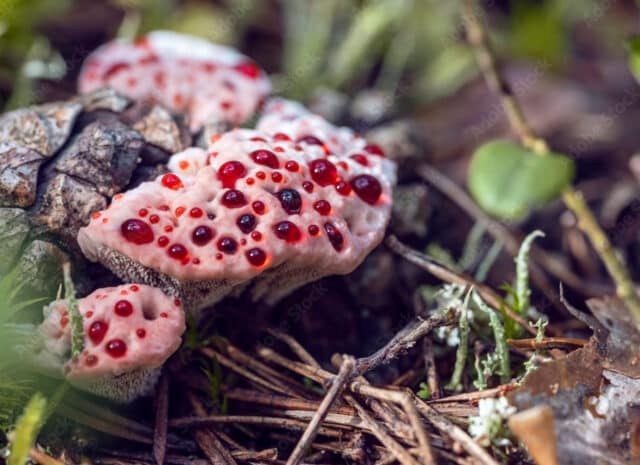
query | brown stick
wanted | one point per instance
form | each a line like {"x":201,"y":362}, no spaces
{"x":547,"y":343}
{"x":295,"y":347}
{"x":208,"y":441}
{"x":162,"y":412}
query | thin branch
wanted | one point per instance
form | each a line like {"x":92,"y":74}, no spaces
{"x":160,"y":428}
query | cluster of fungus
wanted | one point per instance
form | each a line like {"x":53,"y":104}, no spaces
{"x":129,"y":332}
{"x":285,"y":205}
{"x":207,"y":82}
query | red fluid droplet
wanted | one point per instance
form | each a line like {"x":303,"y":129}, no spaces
{"x":97,"y":331}
{"x":292,"y":166}
{"x":258,"y":139}
{"x":276,"y":177}
{"x":196,"y":212}
{"x":311,"y":140}
{"x":164,"y":208}
{"x":287,"y":231}
{"x":227,"y":245}
{"x":343,"y":188}
{"x":177,"y":302}
{"x":265,"y":158}
{"x":134,"y":288}
{"x":278,"y":149}
{"x":89,"y":314}
{"x":137,"y":231}
{"x":246,"y":223}
{"x":168,"y":228}
{"x":177,"y":251}
{"x":248,"y":69}
{"x":367,"y":187}
{"x":343,"y":165}
{"x":256,"y":235}
{"x":256,"y":256}
{"x":123,"y":308}
{"x":374,"y":149}
{"x":233,"y":199}
{"x":307,"y":186}
{"x":116,"y":348}
{"x":323,"y":172}
{"x":115,"y":69}
{"x":143,"y":212}
{"x":313,"y":229}
{"x":164,"y":315}
{"x":290,"y":200}
{"x":360,"y":158}
{"x":323,"y":207}
{"x":91,"y":360}
{"x":258,"y":207}
{"x":172,"y":181}
{"x":230,"y":172}
{"x":153,"y":219}
{"x":163,"y":241}
{"x":250,"y":181}
{"x":219,"y":256}
{"x":141,"y":333}
{"x":195,"y":261}
{"x":202,"y":235}
{"x":180,"y":211}
{"x":335,"y":237}
{"x":281,"y":136}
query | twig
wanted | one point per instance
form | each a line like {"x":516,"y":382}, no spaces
{"x":547,"y":343}
{"x":312,"y":430}
{"x":42,"y":458}
{"x":272,"y":400}
{"x":574,"y":200}
{"x":445,"y":274}
{"x":207,"y":439}
{"x":295,"y":346}
{"x":162,"y":412}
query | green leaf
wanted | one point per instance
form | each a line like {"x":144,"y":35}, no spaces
{"x":634,"y":56}
{"x":27,"y":429}
{"x":508,"y":181}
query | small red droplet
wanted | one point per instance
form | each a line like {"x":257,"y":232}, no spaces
{"x":343,"y":165}
{"x":195,"y":212}
{"x":164,"y":208}
{"x":123,"y":308}
{"x":163,"y":241}
{"x":180,"y":211}
{"x":250,"y":181}
{"x":116,"y":348}
{"x":137,"y":231}
{"x":64,"y":321}
{"x":141,"y":333}
{"x":261,"y":175}
{"x":287,"y":231}
{"x":164,"y":315}
{"x":97,"y":331}
{"x":153,"y":219}
{"x":323,"y":172}
{"x":195,"y":261}
{"x":367,"y":187}
{"x":258,"y":207}
{"x":256,"y":235}
{"x":89,"y":314}
{"x":230,"y":172}
{"x":202,"y":235}
{"x":177,"y":302}
{"x":313,"y":229}
{"x":91,"y":360}
{"x":134,"y":288}
{"x":233,"y":199}
{"x":309,"y":139}
{"x":219,"y":256}
{"x":280,"y":136}
{"x":292,"y":166}
{"x":374,"y":149}
{"x":276,"y":177}
{"x":227,"y":245}
{"x":323,"y":207}
{"x":307,"y":186}
{"x":278,"y":149}
{"x":143,"y":212}
{"x":248,"y":69}
{"x":183,"y":165}
{"x":258,"y":139}
{"x":343,"y":188}
{"x":168,"y":228}
{"x":256,"y":256}
{"x":266,"y":158}
{"x":334,"y":235}
{"x":360,"y":158}
{"x":172,"y":181}
{"x":177,"y":251}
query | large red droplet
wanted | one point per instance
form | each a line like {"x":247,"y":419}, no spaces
{"x":177,"y":251}
{"x":367,"y":187}
{"x":287,"y":231}
{"x":233,"y":199}
{"x":256,"y":256}
{"x":230,"y":172}
{"x":323,"y":207}
{"x":335,"y":237}
{"x":123,"y":308}
{"x":97,"y":330}
{"x":227,"y":245}
{"x":249,"y":69}
{"x":137,"y":231}
{"x":116,"y":348}
{"x":202,"y":235}
{"x":266,"y":158}
{"x":246,"y":223}
{"x":374,"y":149}
{"x":323,"y":172}
{"x":171,"y":181}
{"x":290,"y":200}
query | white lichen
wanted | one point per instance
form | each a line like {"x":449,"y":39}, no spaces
{"x":488,"y":425}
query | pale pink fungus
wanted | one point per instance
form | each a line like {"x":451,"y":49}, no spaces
{"x":208,"y":82}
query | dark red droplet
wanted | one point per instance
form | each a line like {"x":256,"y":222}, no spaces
{"x":276,"y":176}
{"x":367,"y":187}
{"x":196,"y":212}
{"x":227,"y":245}
{"x":260,"y":175}
{"x":246,"y":223}
{"x":230,"y":172}
{"x":313,"y":229}
{"x":335,"y":236}
{"x":323,"y":172}
{"x":202,"y":235}
{"x":123,"y":308}
{"x":137,"y":231}
{"x":292,"y":165}
{"x":307,"y":186}
{"x":233,"y":199}
{"x":256,"y":235}
{"x":343,"y":188}
{"x":309,"y":139}
{"x":97,"y":331}
{"x":163,"y":241}
{"x":256,"y":256}
{"x":258,"y":207}
{"x":265,"y":158}
{"x":374,"y":149}
{"x":290,"y":200}
{"x":116,"y":348}
{"x":287,"y":231}
{"x":141,"y":333}
{"x":143,"y":212}
{"x":177,"y":251}
{"x":323,"y":207}
{"x":360,"y":158}
{"x":249,"y":69}
{"x":153,"y":219}
{"x":91,"y":360}
{"x":171,"y":181}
